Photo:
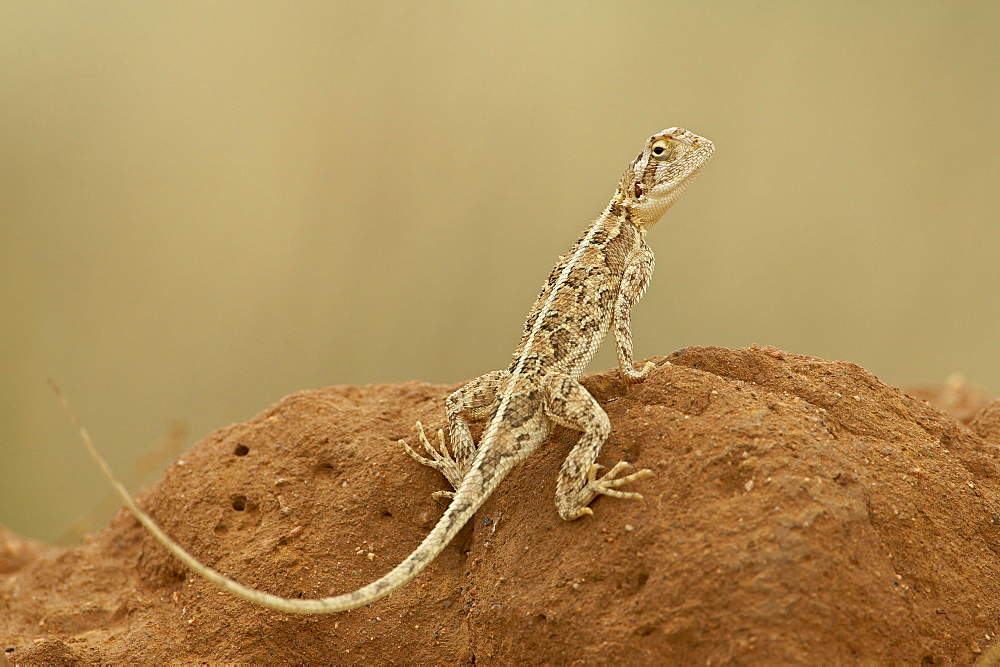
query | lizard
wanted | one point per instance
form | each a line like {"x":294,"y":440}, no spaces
{"x":590,"y":290}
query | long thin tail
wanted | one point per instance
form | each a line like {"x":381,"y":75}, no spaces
{"x":463,"y":506}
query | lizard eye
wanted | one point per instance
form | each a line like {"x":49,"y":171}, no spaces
{"x":660,"y":150}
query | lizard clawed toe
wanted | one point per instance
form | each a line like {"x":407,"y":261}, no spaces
{"x":606,"y":485}
{"x":437,"y":455}
{"x":440,"y":459}
{"x":633,"y":376}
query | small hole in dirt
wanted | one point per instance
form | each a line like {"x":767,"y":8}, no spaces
{"x":221,"y":529}
{"x":387,"y":514}
{"x":646,"y":630}
{"x":241,"y":450}
{"x":239,"y":503}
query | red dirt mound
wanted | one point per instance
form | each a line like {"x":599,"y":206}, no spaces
{"x":802,"y":512}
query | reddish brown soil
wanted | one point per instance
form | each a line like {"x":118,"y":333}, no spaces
{"x":802,"y":512}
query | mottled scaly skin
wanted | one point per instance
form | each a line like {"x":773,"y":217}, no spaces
{"x":591,"y":289}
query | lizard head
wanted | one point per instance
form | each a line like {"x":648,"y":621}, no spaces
{"x":667,"y":164}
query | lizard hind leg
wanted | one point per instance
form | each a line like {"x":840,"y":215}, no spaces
{"x":440,"y":459}
{"x":474,"y":401}
{"x":571,"y":405}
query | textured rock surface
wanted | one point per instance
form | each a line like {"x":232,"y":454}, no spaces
{"x":802,"y":511}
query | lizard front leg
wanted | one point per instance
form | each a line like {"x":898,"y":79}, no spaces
{"x":473,"y":402}
{"x":568,"y":403}
{"x":634,"y":283}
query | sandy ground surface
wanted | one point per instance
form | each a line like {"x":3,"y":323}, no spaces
{"x":802,"y":512}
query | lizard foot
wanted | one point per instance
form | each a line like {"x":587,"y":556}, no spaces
{"x":607,"y":485}
{"x":440,"y":459}
{"x":633,"y":376}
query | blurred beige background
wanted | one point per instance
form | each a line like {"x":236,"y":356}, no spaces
{"x":205,"y":206}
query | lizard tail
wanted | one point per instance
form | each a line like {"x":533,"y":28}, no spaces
{"x":468,"y":498}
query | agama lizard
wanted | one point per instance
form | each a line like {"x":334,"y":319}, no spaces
{"x":591,"y":289}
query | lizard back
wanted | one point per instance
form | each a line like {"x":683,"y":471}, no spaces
{"x":572,"y":313}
